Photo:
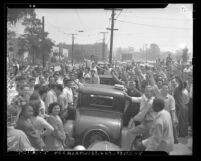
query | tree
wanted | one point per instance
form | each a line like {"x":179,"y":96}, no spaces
{"x":77,"y":55}
{"x":14,"y":15}
{"x":153,"y":52}
{"x":37,"y":42}
{"x":185,"y":55}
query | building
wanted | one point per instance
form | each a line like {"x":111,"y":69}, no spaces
{"x":84,"y":51}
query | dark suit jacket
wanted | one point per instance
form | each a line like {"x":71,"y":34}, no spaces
{"x":133,"y":108}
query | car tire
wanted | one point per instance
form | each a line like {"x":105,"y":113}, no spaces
{"x":94,"y":136}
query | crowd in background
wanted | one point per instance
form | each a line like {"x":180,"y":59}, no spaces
{"x":42,"y":101}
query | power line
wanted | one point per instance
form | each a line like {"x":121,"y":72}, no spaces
{"x":81,"y":22}
{"x":159,"y":18}
{"x":154,"y":25}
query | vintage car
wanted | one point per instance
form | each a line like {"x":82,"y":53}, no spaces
{"x":99,"y":114}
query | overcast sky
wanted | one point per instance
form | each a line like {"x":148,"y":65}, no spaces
{"x":171,"y":28}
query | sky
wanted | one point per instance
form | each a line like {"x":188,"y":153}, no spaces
{"x":171,"y":28}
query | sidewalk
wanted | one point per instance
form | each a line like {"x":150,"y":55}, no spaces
{"x":184,"y":147}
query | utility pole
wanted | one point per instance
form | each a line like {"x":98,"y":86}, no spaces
{"x":111,"y":36}
{"x":103,"y":48}
{"x":72,"y":46}
{"x":43,"y":24}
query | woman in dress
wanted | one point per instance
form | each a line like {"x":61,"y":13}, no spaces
{"x":40,"y":124}
{"x":56,"y":140}
{"x":24,"y":123}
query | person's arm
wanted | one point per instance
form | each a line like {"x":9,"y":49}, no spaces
{"x":98,"y":80}
{"x":155,"y":140}
{"x":153,"y":83}
{"x":115,"y":78}
{"x":48,"y":128}
{"x":56,"y":132}
{"x":48,"y":100}
{"x":136,"y":99}
{"x":172,"y":111}
{"x":24,"y":143}
{"x":180,"y":86}
{"x":143,"y":111}
{"x":34,"y":138}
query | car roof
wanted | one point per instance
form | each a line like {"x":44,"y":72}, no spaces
{"x":106,"y":90}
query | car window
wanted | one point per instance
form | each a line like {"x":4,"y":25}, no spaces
{"x":101,"y":102}
{"x":91,"y":100}
{"x":97,"y":100}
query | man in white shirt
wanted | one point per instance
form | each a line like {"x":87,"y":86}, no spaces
{"x":32,"y":81}
{"x":161,"y":138}
{"x":67,"y":91}
{"x":43,"y":93}
{"x":145,"y":116}
{"x":93,"y":67}
{"x":169,"y":103}
{"x":51,"y":97}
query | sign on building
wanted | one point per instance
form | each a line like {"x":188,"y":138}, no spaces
{"x":65,"y":53}
{"x":55,"y":49}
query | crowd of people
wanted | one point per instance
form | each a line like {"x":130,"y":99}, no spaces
{"x":42,"y":102}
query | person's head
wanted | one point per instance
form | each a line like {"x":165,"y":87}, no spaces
{"x":72,"y":75}
{"x":54,"y":108}
{"x":36,"y":87}
{"x":43,"y":92}
{"x":32,"y":81}
{"x":93,"y":65}
{"x":58,"y":89}
{"x":35,"y":104}
{"x":79,"y":148}
{"x":148,"y":91}
{"x":27,"y":111}
{"x":80,"y":76}
{"x":51,"y":80}
{"x":42,"y":80}
{"x":158,"y":105}
{"x":165,"y":89}
{"x":174,"y":82}
{"x":87,"y":69}
{"x":34,"y":96}
{"x":160,"y":84}
{"x":25,"y":90}
{"x":56,"y":76}
{"x":132,"y":84}
{"x":20,"y":80}
{"x":46,"y":74}
{"x":68,"y":82}
{"x":92,"y":57}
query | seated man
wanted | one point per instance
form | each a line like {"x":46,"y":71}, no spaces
{"x":161,"y":138}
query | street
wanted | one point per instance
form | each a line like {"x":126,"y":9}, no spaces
{"x":184,"y":147}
